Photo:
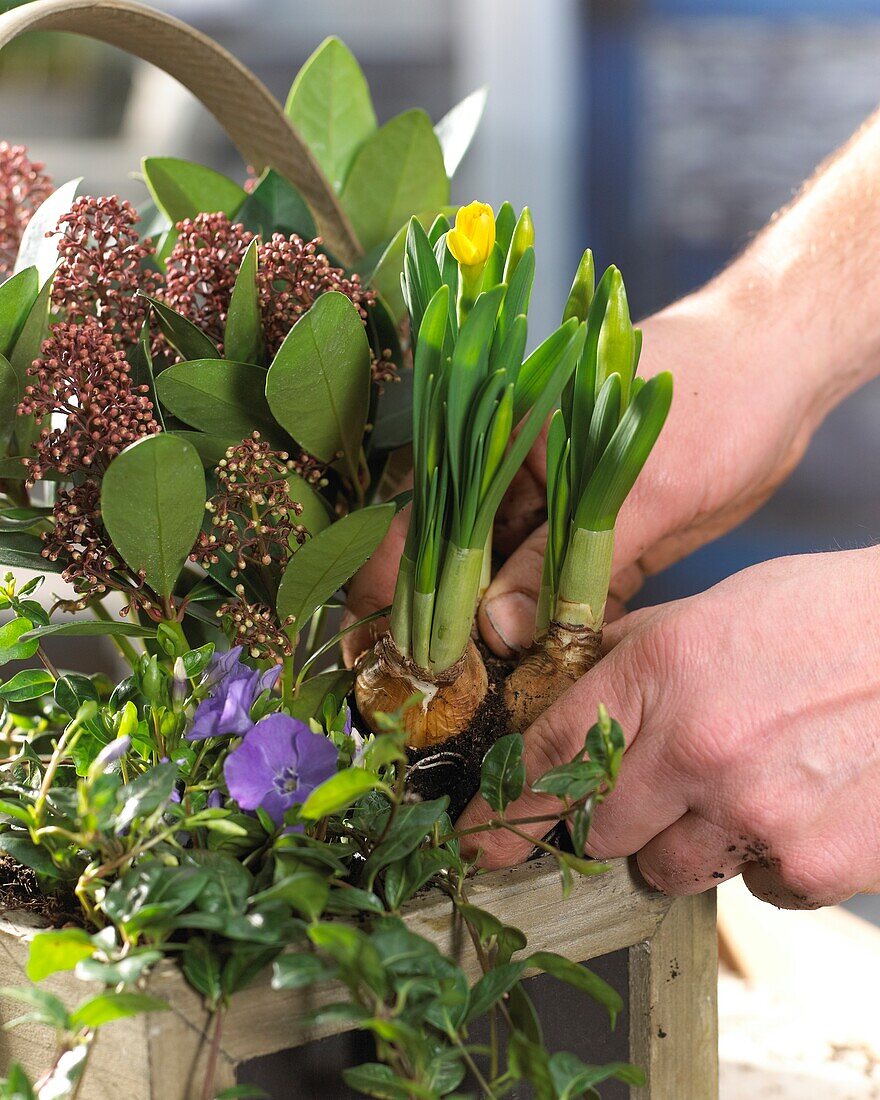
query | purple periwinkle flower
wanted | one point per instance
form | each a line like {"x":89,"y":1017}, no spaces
{"x":279,"y":764}
{"x":115,"y":750}
{"x":235,"y":688}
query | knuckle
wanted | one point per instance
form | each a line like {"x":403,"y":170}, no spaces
{"x":811,"y":880}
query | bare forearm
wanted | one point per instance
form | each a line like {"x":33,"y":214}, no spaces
{"x":800,"y":308}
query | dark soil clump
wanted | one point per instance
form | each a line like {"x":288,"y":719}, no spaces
{"x":453,"y":768}
{"x":20,"y":890}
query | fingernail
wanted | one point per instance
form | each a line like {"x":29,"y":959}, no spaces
{"x":513,"y":619}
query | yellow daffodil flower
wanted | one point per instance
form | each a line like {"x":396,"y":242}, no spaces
{"x":473,"y":238}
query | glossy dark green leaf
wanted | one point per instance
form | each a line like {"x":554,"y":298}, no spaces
{"x":146,"y":793}
{"x":20,"y":550}
{"x":581,"y":978}
{"x":21,"y":847}
{"x":299,"y":971}
{"x":27,"y":348}
{"x":311,"y":693}
{"x":411,"y":825}
{"x":185,"y":337}
{"x":328,"y":560}
{"x":17,"y":297}
{"x":397,"y":172}
{"x":318,"y":386}
{"x":572,"y":1077}
{"x":330,"y":106}
{"x":153,"y":503}
{"x":492,"y":987}
{"x":30,"y":683}
{"x":243,"y":338}
{"x":182,"y":189}
{"x":220,"y":398}
{"x":503,"y":772}
{"x":378,"y":1080}
{"x":275,"y":206}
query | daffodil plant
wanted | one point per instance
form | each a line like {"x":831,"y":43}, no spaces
{"x":467,"y":290}
{"x":597,"y":445}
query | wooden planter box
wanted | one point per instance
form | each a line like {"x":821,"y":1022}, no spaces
{"x":673,"y":1032}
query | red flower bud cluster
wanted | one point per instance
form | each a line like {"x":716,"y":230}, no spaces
{"x":253,"y":516}
{"x":255,"y":626}
{"x":23,"y":186}
{"x":83,"y":376}
{"x":79,"y":538}
{"x":102,"y":267}
{"x":202,"y":269}
{"x":292,"y":274}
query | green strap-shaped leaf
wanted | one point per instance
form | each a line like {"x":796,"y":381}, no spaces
{"x":243,"y":338}
{"x":318,"y":386}
{"x":17,"y":296}
{"x":8,"y":402}
{"x":330,"y":106}
{"x":327,"y":561}
{"x":385,"y":275}
{"x":625,"y":455}
{"x":396,"y":173}
{"x":153,"y":503}
{"x":182,"y":189}
{"x":221,"y":398}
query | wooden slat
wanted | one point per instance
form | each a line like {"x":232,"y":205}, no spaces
{"x":603,"y":914}
{"x":673,"y":1010}
{"x":118,"y":1062}
{"x":244,"y":107}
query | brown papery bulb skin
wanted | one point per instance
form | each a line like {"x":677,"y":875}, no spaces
{"x":386,"y":680}
{"x":558,"y":661}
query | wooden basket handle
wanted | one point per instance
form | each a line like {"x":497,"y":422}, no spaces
{"x":244,"y":107}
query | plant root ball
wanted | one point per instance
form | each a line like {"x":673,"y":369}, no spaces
{"x":558,"y":661}
{"x":386,"y":680}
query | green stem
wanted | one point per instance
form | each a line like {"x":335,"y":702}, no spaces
{"x":456,"y":604}
{"x":486,"y":572}
{"x":401,"y":607}
{"x":543,"y":614}
{"x":585,"y":579}
{"x":287,"y":680}
{"x":422,"y":622}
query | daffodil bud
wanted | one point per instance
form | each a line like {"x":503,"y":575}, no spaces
{"x":523,"y":239}
{"x":582,"y":289}
{"x":472,"y":239}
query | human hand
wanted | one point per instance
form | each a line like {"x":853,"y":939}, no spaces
{"x":734,"y":432}
{"x":752,"y":714}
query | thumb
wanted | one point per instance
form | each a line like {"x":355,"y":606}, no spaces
{"x":372,"y":588}
{"x":507,"y":612}
{"x":552,"y":740}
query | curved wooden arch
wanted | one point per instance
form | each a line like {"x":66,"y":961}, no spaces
{"x":244,"y":107}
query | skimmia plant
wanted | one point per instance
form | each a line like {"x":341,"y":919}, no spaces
{"x":467,"y":290}
{"x":201,"y":410}
{"x":597,"y":444}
